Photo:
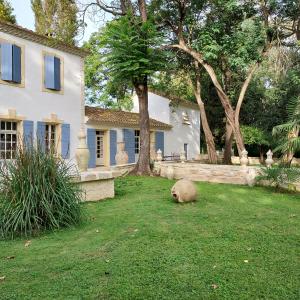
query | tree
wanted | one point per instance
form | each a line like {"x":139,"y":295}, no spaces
{"x":131,"y":41}
{"x":288,"y":132}
{"x":101,"y":86}
{"x":254,"y":136}
{"x":56,"y":18}
{"x":6,"y":12}
{"x":219,"y":31}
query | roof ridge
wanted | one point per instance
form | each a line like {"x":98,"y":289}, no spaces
{"x":33,"y":36}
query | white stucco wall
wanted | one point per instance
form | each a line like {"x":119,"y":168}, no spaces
{"x":36,"y":105}
{"x":158,"y":107}
{"x":180,"y":134}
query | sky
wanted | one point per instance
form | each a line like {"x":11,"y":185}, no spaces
{"x":25,"y":17}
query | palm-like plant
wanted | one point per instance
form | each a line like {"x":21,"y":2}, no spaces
{"x":288,"y":132}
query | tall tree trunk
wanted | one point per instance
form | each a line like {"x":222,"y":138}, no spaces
{"x":228,"y":144}
{"x":143,"y":165}
{"x":209,"y":138}
{"x":229,"y":111}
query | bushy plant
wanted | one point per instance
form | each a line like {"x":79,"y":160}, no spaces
{"x":279,"y":176}
{"x":37,"y":192}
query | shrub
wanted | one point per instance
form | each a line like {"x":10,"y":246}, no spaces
{"x":37,"y":193}
{"x":279,"y":176}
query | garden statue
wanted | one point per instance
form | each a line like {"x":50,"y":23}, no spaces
{"x":121,"y":156}
{"x":82,"y":153}
{"x":269,"y":160}
{"x":184,"y":191}
{"x":159,"y":155}
{"x":182,"y":156}
{"x":244,"y":159}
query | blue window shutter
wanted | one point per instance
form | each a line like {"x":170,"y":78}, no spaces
{"x":113,"y":147}
{"x":160,"y":141}
{"x":40,"y":134}
{"x":57,"y":85}
{"x":28,"y":134}
{"x":49,"y":72}
{"x":91,"y":143}
{"x":129,"y":144}
{"x":6,"y":62}
{"x":16,"y":72}
{"x":65,"y":141}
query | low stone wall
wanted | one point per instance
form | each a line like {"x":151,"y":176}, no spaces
{"x":207,"y":172}
{"x":235,"y":160}
{"x":96,"y":185}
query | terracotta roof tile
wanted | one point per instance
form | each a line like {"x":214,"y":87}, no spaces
{"x":119,"y":118}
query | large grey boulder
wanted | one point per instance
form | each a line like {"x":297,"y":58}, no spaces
{"x":184,"y":191}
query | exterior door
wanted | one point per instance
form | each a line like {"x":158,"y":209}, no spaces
{"x":99,"y":148}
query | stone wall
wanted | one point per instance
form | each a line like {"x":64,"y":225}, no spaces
{"x":205,"y":172}
{"x":235,"y":160}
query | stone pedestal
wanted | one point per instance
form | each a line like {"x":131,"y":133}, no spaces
{"x":159,"y":155}
{"x":244,"y":159}
{"x":182,"y":156}
{"x":96,"y":185}
{"x":82,"y":153}
{"x":121,"y":156}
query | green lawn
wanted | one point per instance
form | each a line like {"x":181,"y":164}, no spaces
{"x":141,"y":245}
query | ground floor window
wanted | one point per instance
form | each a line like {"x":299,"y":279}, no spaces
{"x":8,"y":139}
{"x":136,"y":141}
{"x":50,"y":138}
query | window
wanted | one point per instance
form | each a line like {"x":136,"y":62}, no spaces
{"x":52,"y":73}
{"x":185,"y":118}
{"x":8,"y":139}
{"x":11,"y":63}
{"x":50,"y":138}
{"x":136,"y":141}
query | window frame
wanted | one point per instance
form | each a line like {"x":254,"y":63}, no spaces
{"x":44,"y":89}
{"x":10,"y":83}
{"x":9,"y":132}
{"x":137,"y":141}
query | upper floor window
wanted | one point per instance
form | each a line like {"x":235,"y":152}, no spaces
{"x":8,"y":139}
{"x":52,"y":73}
{"x":136,"y":141}
{"x":11,"y":63}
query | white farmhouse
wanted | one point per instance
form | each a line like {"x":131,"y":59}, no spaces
{"x":42,"y":100}
{"x":41,"y":91}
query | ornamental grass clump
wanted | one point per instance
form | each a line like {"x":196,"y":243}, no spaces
{"x":37,"y":193}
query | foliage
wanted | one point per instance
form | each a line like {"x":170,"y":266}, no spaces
{"x":37,"y":193}
{"x":56,"y":18}
{"x":135,"y":246}
{"x":131,"y":49}
{"x":101,"y":88}
{"x":254,"y":136}
{"x":288,"y":132}
{"x":279,"y":176}
{"x":6,"y":12}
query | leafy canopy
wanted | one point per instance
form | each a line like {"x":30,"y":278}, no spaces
{"x":131,"y":49}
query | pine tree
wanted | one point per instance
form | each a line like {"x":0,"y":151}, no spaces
{"x":6,"y":12}
{"x":56,"y":18}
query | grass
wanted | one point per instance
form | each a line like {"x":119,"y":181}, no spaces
{"x":141,"y":245}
